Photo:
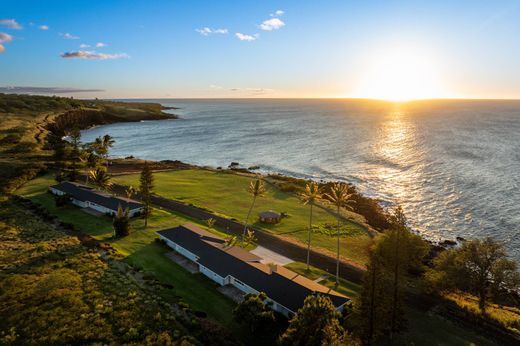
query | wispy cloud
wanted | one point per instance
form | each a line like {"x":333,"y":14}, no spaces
{"x":101,"y":45}
{"x":84,"y":45}
{"x":252,"y":91}
{"x":272,"y":24}
{"x":43,"y":27}
{"x":246,"y":37}
{"x":11,"y":24}
{"x":209,"y":31}
{"x":43,"y":90}
{"x":3,"y":39}
{"x":277,"y":13}
{"x":84,"y":54}
{"x":69,"y":36}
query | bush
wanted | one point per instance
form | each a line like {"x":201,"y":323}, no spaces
{"x":121,"y":222}
{"x":62,"y":200}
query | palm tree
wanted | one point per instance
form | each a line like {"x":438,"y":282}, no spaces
{"x":89,"y":158}
{"x":100,"y":178}
{"x":310,"y":196}
{"x":256,"y":188}
{"x":130,"y":191}
{"x":339,"y":196}
{"x":107,"y":142}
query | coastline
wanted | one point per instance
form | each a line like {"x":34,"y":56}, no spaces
{"x":133,"y":165}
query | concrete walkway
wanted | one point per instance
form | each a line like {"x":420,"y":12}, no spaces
{"x":269,"y":256}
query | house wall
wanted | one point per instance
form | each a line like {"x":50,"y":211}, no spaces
{"x":73,"y":200}
{"x":132,"y":212}
{"x":242,"y":286}
{"x":180,"y":249}
{"x":56,"y":192}
{"x":212,"y":275}
{"x":99,"y":208}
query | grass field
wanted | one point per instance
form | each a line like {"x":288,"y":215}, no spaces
{"x":140,"y":249}
{"x":226,"y":194}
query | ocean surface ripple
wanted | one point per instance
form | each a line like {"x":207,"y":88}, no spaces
{"x":454,"y":166}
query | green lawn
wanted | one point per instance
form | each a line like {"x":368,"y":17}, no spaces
{"x":140,"y":250}
{"x":226,"y":194}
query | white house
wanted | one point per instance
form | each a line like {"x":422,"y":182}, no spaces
{"x":86,"y":197}
{"x":230,"y":265}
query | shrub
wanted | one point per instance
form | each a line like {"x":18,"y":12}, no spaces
{"x":121,"y":222}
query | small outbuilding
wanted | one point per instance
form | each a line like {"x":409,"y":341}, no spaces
{"x":270,"y":217}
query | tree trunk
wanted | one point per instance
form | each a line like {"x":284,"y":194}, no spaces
{"x":482,"y":299}
{"x":337,"y":257}
{"x":147,"y":211}
{"x":247,"y":218}
{"x":309,"y":239}
{"x":372,"y":304}
{"x":396,"y":285}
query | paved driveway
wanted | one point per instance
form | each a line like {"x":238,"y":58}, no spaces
{"x":270,"y":256}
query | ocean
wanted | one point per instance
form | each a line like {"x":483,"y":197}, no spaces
{"x":453,"y":165}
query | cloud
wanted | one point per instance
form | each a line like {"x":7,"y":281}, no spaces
{"x":83,"y":54}
{"x":272,"y":24}
{"x":69,"y":36}
{"x":44,"y":90}
{"x":11,"y":24}
{"x":278,"y":13}
{"x":252,"y":91}
{"x":5,"y":37}
{"x":209,"y":31}
{"x":245,"y":37}
{"x":84,"y":45}
{"x":43,"y":27}
{"x":101,"y":45}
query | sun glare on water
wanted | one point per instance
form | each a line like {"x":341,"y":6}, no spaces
{"x":400,"y":75}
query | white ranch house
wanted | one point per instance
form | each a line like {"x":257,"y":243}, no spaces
{"x":230,"y":265}
{"x":86,"y":197}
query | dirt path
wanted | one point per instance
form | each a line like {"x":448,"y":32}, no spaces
{"x":348,"y":270}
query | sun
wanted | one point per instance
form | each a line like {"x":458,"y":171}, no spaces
{"x":400,"y":74}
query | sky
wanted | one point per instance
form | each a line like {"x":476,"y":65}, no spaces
{"x":261,"y":48}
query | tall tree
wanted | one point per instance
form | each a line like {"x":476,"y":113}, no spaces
{"x":100,"y":178}
{"x":89,"y":159}
{"x":315,"y":323}
{"x":481,"y":267}
{"x":253,"y":313}
{"x":310,"y":196}
{"x":256,"y":189}
{"x":74,"y":157}
{"x":146,"y":186}
{"x":373,"y":309}
{"x":400,"y":251}
{"x":341,"y":198}
{"x":107,"y":142}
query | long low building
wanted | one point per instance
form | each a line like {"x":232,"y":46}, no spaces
{"x":86,"y":197}
{"x":231,"y":265}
